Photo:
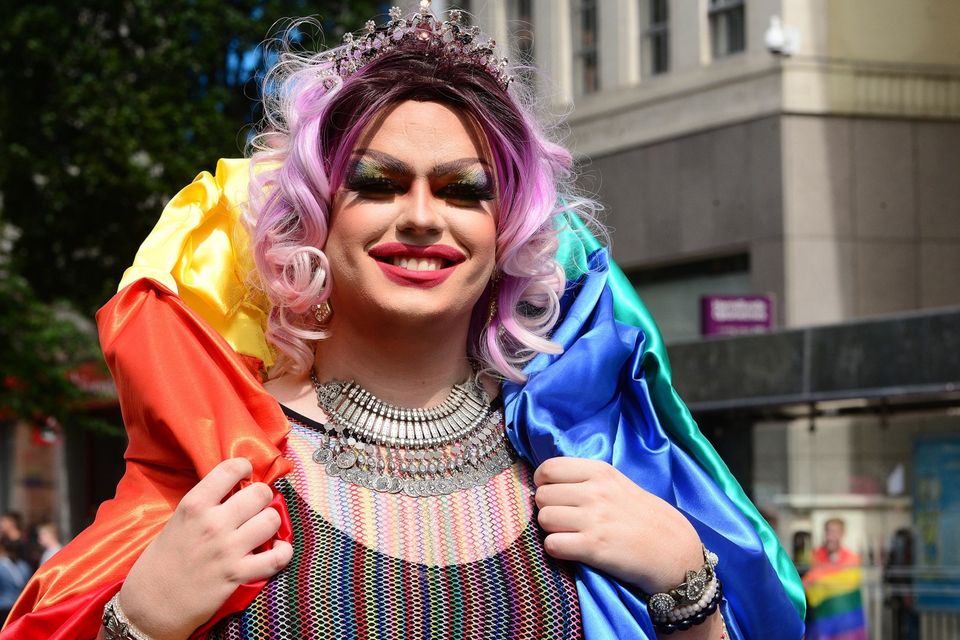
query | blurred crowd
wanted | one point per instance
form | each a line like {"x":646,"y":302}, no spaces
{"x":22,"y":550}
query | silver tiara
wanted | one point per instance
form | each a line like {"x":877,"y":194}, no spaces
{"x":450,"y":39}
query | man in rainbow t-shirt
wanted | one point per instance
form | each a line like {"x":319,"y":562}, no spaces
{"x":833,"y":589}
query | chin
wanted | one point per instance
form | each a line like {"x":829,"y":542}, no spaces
{"x":428,"y":314}
{"x":418,"y":306}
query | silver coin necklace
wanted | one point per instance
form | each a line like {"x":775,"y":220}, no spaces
{"x":457,"y":445}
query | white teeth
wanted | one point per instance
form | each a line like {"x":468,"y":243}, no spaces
{"x":413,"y":264}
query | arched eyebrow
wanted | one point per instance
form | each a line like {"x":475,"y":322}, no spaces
{"x":393,"y":165}
{"x":458,"y":166}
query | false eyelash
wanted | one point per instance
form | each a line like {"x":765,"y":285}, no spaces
{"x":467,"y":191}
{"x":473,"y":183}
{"x":372,"y":184}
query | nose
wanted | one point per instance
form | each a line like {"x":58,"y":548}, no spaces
{"x":420,"y":210}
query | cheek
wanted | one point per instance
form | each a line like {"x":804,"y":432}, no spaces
{"x":350,"y":230}
{"x":334,"y":248}
{"x":344,"y":263}
{"x":482,"y":237}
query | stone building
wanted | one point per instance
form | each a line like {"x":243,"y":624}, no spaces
{"x":806,"y":151}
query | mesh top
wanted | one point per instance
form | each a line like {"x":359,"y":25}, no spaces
{"x":382,"y":566}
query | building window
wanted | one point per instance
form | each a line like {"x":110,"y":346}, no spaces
{"x":655,"y":34}
{"x":586,"y":73}
{"x":673,"y":292}
{"x":727,"y":27}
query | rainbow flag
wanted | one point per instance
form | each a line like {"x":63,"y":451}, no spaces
{"x":835,"y":605}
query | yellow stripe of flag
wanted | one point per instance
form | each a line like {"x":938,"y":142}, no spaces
{"x":833,"y":583}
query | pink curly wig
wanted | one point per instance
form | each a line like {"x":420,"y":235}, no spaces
{"x":313,"y":122}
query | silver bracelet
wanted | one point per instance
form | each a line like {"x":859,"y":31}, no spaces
{"x":689,"y":610}
{"x":116,"y":624}
{"x":695,"y":591}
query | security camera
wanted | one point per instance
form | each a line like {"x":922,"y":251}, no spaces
{"x":781,"y":40}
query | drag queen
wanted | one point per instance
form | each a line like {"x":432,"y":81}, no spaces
{"x":467,"y":428}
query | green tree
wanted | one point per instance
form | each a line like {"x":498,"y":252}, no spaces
{"x":109,"y":108}
{"x":41,"y":345}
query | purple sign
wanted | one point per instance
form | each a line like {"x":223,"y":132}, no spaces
{"x":732,"y":315}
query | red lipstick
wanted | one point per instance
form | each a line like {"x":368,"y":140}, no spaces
{"x":442,"y":251}
{"x":385,"y":253}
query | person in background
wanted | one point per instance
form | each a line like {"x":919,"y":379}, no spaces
{"x":49,"y":539}
{"x":11,"y":527}
{"x":833,"y":589}
{"x":11,"y":532}
{"x":898,"y":576}
{"x":12,"y":578}
{"x":802,"y":551}
{"x":832,"y":550}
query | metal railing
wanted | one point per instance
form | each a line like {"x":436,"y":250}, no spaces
{"x":897,"y":603}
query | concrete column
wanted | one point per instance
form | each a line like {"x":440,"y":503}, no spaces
{"x":689,"y":35}
{"x":619,"y":35}
{"x":629,"y":13}
{"x":553,"y":49}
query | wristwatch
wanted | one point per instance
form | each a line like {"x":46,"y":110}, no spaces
{"x":116,"y":625}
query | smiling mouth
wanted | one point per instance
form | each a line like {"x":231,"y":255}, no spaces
{"x":417,"y":264}
{"x":417,"y":257}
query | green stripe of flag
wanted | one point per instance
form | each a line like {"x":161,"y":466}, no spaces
{"x":838,"y":604}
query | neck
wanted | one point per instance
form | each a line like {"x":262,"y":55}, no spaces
{"x":406,"y":366}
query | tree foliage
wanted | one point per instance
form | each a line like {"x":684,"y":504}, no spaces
{"x":42,"y":345}
{"x":110,"y":107}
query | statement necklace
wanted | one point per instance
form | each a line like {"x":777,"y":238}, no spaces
{"x":456,"y":445}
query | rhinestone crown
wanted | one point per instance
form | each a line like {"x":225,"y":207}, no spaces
{"x":449,"y":39}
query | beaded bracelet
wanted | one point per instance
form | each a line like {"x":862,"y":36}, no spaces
{"x":690,"y":610}
{"x":699,"y":617}
{"x":693,"y":591}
